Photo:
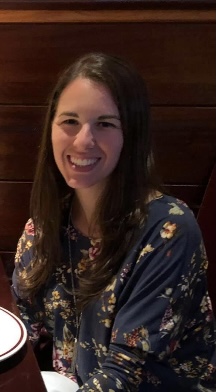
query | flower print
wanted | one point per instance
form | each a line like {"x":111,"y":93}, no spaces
{"x":23,"y":274}
{"x":205,"y":264}
{"x":107,"y":322}
{"x":111,"y":302}
{"x":55,"y":304}
{"x":151,"y":378}
{"x":168,"y":230}
{"x":187,"y":366}
{"x":100,"y":350}
{"x":138,"y":373}
{"x":204,"y":258}
{"x":211,"y":369}
{"x":71,"y":233}
{"x":125,"y":273}
{"x":57,"y":363}
{"x":66,"y":313}
{"x":108,"y":307}
{"x":29,"y":227}
{"x":35,"y":329}
{"x":173,"y":345}
{"x":114,"y":335}
{"x":175,"y":210}
{"x":84,"y":263}
{"x":111,"y":286}
{"x":167,"y":294}
{"x":28,"y":245}
{"x":182,"y":203}
{"x":118,"y":384}
{"x":138,"y":335}
{"x":103,"y":349}
{"x":55,"y":295}
{"x":97,"y":385}
{"x":205,"y":304}
{"x":147,"y":249}
{"x":167,"y":322}
{"x":95,"y":249}
{"x":168,"y":291}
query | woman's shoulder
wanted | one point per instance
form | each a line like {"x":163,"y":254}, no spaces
{"x":23,"y":255}
{"x":26,"y":240}
{"x":165,"y":211}
{"x":29,"y":228}
{"x":163,"y":205}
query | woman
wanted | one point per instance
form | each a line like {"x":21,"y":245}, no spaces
{"x":111,"y":268}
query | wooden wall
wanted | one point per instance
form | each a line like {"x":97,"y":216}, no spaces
{"x":172,"y":43}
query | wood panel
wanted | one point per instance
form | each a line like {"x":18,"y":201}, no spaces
{"x":108,"y":16}
{"x":185,"y":143}
{"x":106,"y":4}
{"x":177,"y":60}
{"x":8,"y":262}
{"x":184,"y":139}
{"x":20,"y":129}
{"x":14,"y":212}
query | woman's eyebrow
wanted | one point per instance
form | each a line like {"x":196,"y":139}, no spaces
{"x":69,"y":114}
{"x":108,"y":117}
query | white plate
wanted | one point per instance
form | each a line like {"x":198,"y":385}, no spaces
{"x":56,"y":382}
{"x":13,"y":334}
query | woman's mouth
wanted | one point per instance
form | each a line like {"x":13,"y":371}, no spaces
{"x":83,"y":164}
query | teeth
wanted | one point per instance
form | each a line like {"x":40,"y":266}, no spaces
{"x":83,"y":162}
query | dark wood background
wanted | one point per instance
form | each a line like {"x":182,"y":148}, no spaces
{"x":171,"y":43}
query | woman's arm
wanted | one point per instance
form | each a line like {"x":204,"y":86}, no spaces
{"x":31,"y":312}
{"x":163,"y":332}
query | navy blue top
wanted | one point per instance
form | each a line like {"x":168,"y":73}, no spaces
{"x":152,"y":328}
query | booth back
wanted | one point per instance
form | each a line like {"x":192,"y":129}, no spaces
{"x":171,"y":43}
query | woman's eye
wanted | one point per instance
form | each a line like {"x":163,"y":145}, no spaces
{"x":70,"y":121}
{"x":106,"y":124}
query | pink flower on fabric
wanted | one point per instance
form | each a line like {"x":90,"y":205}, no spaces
{"x":95,"y":249}
{"x":29,"y":227}
{"x":168,"y":230}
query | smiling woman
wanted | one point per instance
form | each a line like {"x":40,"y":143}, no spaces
{"x":109,"y":267}
{"x":87,"y":137}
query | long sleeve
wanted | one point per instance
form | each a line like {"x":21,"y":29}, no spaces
{"x":162,"y":332}
{"x":31,"y":313}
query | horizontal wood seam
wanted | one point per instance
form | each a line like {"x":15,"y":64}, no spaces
{"x":107,"y":16}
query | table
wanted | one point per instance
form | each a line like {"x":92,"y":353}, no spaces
{"x":20,"y":372}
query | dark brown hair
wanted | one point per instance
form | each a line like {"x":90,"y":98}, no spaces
{"x":121,"y":209}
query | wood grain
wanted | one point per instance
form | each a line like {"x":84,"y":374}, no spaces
{"x":14,"y":212}
{"x":106,"y":4}
{"x":177,"y":60}
{"x":107,"y":16}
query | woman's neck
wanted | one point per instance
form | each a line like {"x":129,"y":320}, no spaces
{"x":83,"y":210}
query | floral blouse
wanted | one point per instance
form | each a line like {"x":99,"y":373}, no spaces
{"x":152,"y":328}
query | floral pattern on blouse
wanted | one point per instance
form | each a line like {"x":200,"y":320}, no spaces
{"x":152,"y":329}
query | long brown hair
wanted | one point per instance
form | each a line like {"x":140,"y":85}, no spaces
{"x":121,"y":209}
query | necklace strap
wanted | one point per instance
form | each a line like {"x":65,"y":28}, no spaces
{"x":78,"y":316}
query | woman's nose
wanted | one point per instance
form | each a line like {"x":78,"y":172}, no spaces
{"x":85,"y":137}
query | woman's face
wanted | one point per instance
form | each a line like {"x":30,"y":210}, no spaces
{"x":87,"y":138}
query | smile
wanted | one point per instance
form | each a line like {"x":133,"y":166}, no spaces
{"x":83,"y":162}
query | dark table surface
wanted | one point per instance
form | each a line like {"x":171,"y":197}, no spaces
{"x":19,"y":372}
